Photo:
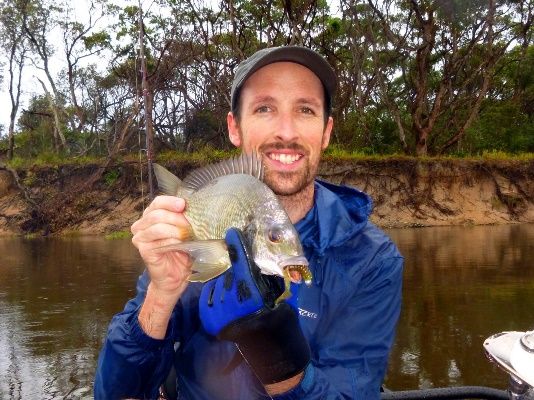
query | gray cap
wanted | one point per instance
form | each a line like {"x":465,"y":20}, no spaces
{"x":300,"y":55}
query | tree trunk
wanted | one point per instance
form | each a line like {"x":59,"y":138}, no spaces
{"x":422,"y":124}
{"x":421,"y":146}
{"x":14,"y":93}
{"x":59,"y":139}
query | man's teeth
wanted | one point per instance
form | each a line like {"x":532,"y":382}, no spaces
{"x":285,"y":158}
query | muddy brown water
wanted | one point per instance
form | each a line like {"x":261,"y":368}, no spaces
{"x":461,"y":285}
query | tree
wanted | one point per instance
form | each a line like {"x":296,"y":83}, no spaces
{"x":16,"y":47}
{"x":419,"y":76}
{"x":448,"y":52}
{"x":38,"y":19}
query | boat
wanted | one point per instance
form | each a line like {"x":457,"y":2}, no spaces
{"x":511,"y":351}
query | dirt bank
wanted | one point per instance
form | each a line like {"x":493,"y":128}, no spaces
{"x":406,"y":192}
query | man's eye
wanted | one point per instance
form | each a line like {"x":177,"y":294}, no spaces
{"x":263,"y":109}
{"x":307,"y":110}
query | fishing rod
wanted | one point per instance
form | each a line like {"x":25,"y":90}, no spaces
{"x":149,"y":126}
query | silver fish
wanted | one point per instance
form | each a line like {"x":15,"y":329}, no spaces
{"x":231,"y":194}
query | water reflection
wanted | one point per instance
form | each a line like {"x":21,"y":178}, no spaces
{"x":56,"y":299}
{"x":461,"y":286}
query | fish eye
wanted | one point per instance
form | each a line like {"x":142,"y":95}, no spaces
{"x":275,"y":234}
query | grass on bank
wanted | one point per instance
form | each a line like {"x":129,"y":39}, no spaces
{"x":118,"y":235}
{"x":335,"y":152}
{"x":74,"y":234}
{"x":206,"y":155}
{"x":209,"y":155}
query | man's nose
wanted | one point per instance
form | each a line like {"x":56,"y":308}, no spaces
{"x":286,"y":127}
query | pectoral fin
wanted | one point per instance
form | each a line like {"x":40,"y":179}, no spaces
{"x":206,"y":272}
{"x":210,"y":257}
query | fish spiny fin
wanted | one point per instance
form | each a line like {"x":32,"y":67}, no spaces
{"x":168,"y":183}
{"x":244,"y":164}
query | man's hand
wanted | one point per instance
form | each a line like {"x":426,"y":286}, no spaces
{"x":162,"y":223}
{"x":240,"y":306}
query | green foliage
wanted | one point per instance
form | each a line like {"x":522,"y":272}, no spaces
{"x":17,"y":162}
{"x":504,"y":156}
{"x":502,"y":126}
{"x":334,"y":25}
{"x":118,"y":235}
{"x":96,"y":39}
{"x":339,"y":152}
{"x":373,"y":132}
{"x":45,"y":158}
{"x":206,"y":155}
{"x":110,"y":177}
{"x":30,"y":179}
{"x":51,"y":160}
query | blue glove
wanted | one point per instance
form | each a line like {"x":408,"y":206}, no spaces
{"x":240,"y":306}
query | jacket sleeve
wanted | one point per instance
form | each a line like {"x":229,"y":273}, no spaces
{"x":353,"y":365}
{"x":132,"y":364}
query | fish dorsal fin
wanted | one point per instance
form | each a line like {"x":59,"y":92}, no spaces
{"x":168,"y":183}
{"x":250,"y":164}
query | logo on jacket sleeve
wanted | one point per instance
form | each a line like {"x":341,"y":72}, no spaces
{"x":307,"y":314}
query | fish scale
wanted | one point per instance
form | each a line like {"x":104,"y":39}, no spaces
{"x":212,"y":213}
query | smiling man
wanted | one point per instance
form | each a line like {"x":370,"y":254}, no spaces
{"x":280,"y":113}
{"x":227,"y":339}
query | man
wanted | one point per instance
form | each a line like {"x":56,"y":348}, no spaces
{"x":338,"y":349}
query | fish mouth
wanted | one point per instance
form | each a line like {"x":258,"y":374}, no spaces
{"x":297,"y":269}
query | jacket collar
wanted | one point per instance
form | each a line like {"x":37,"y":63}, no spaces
{"x":338,"y":213}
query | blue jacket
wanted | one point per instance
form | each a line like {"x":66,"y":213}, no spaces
{"x":348,"y":315}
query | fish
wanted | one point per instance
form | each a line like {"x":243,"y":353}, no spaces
{"x":232,"y":194}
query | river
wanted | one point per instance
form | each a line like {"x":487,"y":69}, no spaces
{"x":461,"y":285}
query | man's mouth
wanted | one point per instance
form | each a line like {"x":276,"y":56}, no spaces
{"x":284,"y":158}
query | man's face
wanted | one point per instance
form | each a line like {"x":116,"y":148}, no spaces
{"x":282,"y":118}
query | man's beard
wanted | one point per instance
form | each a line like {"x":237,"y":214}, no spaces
{"x":288,"y":183}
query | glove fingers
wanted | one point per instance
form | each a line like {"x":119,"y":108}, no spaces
{"x":239,"y":254}
{"x":206,"y":305}
{"x":223,"y":285}
{"x":206,"y":296}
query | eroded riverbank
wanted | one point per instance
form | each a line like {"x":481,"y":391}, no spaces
{"x":407,"y":192}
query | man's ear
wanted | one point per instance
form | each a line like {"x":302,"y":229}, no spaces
{"x":327,"y":133}
{"x":233,"y":129}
